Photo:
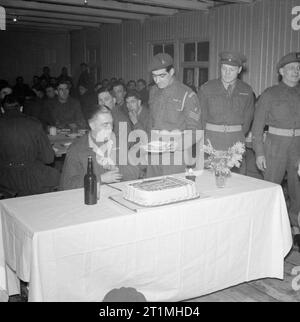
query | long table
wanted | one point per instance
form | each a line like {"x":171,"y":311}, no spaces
{"x":62,"y":140}
{"x":69,"y":251}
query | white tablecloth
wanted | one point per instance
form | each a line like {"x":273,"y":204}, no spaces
{"x":72,"y":252}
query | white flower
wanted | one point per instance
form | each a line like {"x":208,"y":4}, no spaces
{"x":223,"y":161}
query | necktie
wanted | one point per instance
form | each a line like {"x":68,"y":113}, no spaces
{"x":230,"y":89}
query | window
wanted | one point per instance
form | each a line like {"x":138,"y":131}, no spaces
{"x":194,"y":65}
{"x":167,"y":48}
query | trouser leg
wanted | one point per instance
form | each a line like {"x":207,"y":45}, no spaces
{"x":294,"y":182}
{"x":276,"y":159}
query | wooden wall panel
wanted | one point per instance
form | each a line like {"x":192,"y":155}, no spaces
{"x":25,"y":53}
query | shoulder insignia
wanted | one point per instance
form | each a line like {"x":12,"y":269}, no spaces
{"x":195,"y":116}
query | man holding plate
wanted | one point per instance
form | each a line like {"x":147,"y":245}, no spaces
{"x":174,"y":109}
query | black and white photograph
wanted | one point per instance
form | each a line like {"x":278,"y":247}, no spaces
{"x":150,"y":152}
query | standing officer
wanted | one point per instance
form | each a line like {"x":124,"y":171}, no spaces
{"x":173,"y":106}
{"x":228,"y":104}
{"x":279,"y":107}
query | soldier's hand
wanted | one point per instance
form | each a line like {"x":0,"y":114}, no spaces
{"x":111,"y":176}
{"x":261,"y":163}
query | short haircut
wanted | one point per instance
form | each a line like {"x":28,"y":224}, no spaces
{"x":94,"y":110}
{"x":50,"y":86}
{"x":63,"y":82}
{"x":83,"y":85}
{"x":131,"y":81}
{"x":6,"y":86}
{"x":141,"y":80}
{"x":10,"y":102}
{"x":117,"y":83}
{"x":83,"y":64}
{"x":133,"y":93}
{"x":103,"y":90}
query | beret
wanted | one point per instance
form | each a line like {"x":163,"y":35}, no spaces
{"x":232,"y":58}
{"x":124,"y":294}
{"x":160,"y":61}
{"x":289,"y":58}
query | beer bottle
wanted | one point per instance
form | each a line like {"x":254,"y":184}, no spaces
{"x":90,"y":184}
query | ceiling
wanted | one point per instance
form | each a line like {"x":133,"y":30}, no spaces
{"x":76,"y":14}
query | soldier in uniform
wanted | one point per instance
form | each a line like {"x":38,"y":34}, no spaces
{"x":138,"y":113}
{"x":279,"y":107}
{"x":228,"y":105}
{"x":25,"y":153}
{"x":173,"y":106}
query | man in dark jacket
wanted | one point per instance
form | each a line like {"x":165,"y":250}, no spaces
{"x":63,"y":111}
{"x":25,"y":153}
{"x":99,"y":144}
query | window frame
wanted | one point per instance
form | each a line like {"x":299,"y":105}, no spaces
{"x":193,"y":64}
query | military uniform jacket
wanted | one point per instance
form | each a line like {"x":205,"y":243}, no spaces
{"x":62,"y":114}
{"x":223,"y":109}
{"x":143,"y":120}
{"x":278,"y":106}
{"x":174,"y":107}
{"x":120,"y":115}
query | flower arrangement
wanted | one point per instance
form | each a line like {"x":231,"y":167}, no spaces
{"x":222,"y":161}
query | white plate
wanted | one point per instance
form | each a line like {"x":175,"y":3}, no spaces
{"x":159,"y":147}
{"x":73,"y":135}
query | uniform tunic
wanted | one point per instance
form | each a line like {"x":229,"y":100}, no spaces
{"x":25,"y":151}
{"x":62,"y":114}
{"x":143,"y":120}
{"x":120,"y":115}
{"x":175,"y":107}
{"x":279,"y":106}
{"x":75,"y":166}
{"x":223,"y":108}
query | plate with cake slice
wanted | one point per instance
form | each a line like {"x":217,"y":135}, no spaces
{"x":159,"y":146}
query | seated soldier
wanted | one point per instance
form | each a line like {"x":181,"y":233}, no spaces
{"x":122,"y":125}
{"x":87,"y":98}
{"x":139,"y":115}
{"x":141,"y":87}
{"x":99,"y":144}
{"x":25,"y":152}
{"x":33,"y":106}
{"x":63,"y":111}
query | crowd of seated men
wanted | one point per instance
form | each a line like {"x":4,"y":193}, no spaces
{"x":27,"y":111}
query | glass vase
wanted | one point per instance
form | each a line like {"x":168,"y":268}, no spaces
{"x":220,"y":179}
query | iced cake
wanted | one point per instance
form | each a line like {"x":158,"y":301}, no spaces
{"x":160,"y":191}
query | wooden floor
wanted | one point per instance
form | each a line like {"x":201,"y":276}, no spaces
{"x":263,"y":290}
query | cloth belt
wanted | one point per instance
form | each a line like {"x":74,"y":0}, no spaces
{"x":284,"y":132}
{"x":223,"y":128}
{"x":16,"y":164}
